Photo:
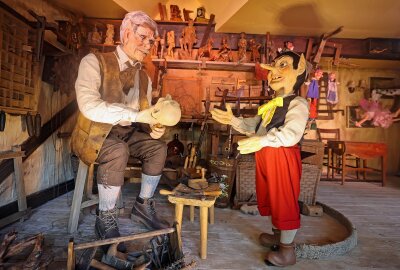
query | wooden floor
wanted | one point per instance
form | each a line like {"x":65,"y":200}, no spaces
{"x":232,"y":244}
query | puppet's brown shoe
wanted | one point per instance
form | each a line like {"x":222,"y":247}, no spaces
{"x":270,"y":240}
{"x":285,"y":256}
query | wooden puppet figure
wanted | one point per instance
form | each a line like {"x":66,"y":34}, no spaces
{"x":313,"y":93}
{"x":274,"y":135}
{"x":332,"y":96}
{"x":376,"y":113}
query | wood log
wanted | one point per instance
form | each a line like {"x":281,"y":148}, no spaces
{"x":8,"y":239}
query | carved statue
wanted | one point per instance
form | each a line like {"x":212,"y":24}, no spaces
{"x":242,"y":47}
{"x":205,"y":51}
{"x":154,"y":49}
{"x":95,"y":37}
{"x":255,"y":46}
{"x":189,"y":38}
{"x":109,"y":35}
{"x":171,"y":43}
{"x":175,"y":13}
{"x":224,"y":53}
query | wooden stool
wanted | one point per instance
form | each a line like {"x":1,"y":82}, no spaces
{"x":77,"y":204}
{"x":205,"y":203}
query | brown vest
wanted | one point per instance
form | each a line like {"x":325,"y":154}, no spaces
{"x":88,"y":136}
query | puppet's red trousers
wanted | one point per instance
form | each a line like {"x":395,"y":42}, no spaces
{"x":278,"y":172}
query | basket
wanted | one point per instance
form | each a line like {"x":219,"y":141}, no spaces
{"x":246,"y":180}
{"x":246,"y":183}
{"x":223,"y":166}
{"x":308,"y":184}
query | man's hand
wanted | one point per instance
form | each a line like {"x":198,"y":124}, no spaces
{"x":157,"y":131}
{"x":223,"y":117}
{"x":146,"y":117}
{"x":250,"y":145}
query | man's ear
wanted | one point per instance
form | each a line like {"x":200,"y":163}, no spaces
{"x":126,"y":35}
{"x":302,"y":65}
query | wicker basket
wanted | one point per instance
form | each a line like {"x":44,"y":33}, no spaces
{"x":245,"y":180}
{"x":309,"y":182}
{"x":246,"y":183}
{"x":223,"y":166}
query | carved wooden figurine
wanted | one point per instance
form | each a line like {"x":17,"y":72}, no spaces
{"x":255,"y":47}
{"x":242,"y":47}
{"x":175,"y":13}
{"x":109,"y":35}
{"x":95,"y":37}
{"x":205,"y":51}
{"x":188,"y":39}
{"x":170,"y":43}
{"x":154,"y":49}
{"x":224,"y":53}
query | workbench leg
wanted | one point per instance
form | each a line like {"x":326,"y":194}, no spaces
{"x":203,"y":231}
{"x":178,"y":217}
{"x":212,"y":214}
{"x":358,"y":162}
{"x":191,"y":213}
{"x":328,"y":164}
{"x":384,"y":167}
{"x":343,"y":167}
{"x":364,"y":172}
{"x":71,"y":255}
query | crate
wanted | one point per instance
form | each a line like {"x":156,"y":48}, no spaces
{"x":246,"y":180}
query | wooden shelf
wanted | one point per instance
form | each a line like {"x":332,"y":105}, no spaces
{"x":210,"y":65}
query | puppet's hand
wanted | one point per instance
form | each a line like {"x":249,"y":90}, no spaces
{"x":145,"y":116}
{"x":157,"y":131}
{"x":223,"y":117}
{"x":251,"y":145}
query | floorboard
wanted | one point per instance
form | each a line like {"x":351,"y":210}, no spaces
{"x":232,"y":240}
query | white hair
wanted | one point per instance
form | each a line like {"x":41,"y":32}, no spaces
{"x":133,"y":20}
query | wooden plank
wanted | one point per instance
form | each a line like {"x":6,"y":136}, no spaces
{"x":13,"y":218}
{"x":19,"y":180}
{"x":30,"y":145}
{"x":124,"y":238}
{"x":11,"y":154}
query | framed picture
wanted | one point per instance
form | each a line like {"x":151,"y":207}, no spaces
{"x":354,"y":114}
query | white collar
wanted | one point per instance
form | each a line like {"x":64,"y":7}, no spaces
{"x":123,"y":58}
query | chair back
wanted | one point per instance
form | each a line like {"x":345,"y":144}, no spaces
{"x":326,"y":135}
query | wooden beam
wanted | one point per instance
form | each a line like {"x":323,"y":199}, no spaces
{"x":31,"y":144}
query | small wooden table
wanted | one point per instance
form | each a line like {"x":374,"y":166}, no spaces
{"x":204,"y":203}
{"x":363,"y":150}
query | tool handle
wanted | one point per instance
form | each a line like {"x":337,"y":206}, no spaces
{"x":211,"y":193}
{"x":166,"y":192}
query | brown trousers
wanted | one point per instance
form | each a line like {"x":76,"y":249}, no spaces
{"x":123,"y":142}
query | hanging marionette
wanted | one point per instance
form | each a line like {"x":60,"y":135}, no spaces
{"x":332,"y":96}
{"x":376,"y":113}
{"x":313,"y":93}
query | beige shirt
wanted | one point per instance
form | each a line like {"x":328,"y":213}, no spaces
{"x":91,"y":105}
{"x":286,"y":135}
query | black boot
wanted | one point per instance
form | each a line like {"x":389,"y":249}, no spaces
{"x":106,"y":226}
{"x":143,"y":211}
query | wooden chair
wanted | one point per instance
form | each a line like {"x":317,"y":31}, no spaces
{"x":336,"y":163}
{"x":325,"y":135}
